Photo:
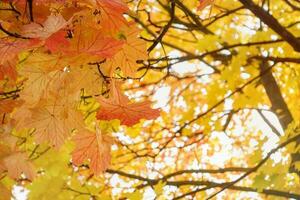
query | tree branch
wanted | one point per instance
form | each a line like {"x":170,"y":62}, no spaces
{"x":274,"y":94}
{"x":276,"y":59}
{"x":15,"y":35}
{"x":194,"y":17}
{"x":30,"y":9}
{"x":165,"y":29}
{"x":269,"y":20}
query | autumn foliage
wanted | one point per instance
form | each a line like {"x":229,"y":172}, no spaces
{"x":116,"y":99}
{"x":56,"y":54}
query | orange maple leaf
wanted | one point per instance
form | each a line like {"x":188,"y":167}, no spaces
{"x":18,"y":163}
{"x":118,"y":106}
{"x":94,"y":147}
{"x":15,"y":163}
{"x":87,"y":78}
{"x":53,"y":120}
{"x":114,"y":5}
{"x":7,"y":105}
{"x":8,"y":69}
{"x":110,"y":14}
{"x":134,"y":49}
{"x":57,"y":42}
{"x":40,"y":70}
{"x":89,"y":40}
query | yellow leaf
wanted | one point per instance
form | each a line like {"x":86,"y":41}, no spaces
{"x":158,"y":188}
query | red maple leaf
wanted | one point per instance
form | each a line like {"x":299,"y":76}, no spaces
{"x":118,"y":106}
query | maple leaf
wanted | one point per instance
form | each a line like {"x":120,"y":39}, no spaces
{"x":49,"y":125}
{"x":8,"y":69}
{"x":134,"y":49}
{"x":88,"y":40}
{"x":87,"y":78}
{"x":20,"y":117}
{"x":114,"y":5}
{"x":110,"y":14}
{"x":118,"y":106}
{"x":53,"y":120}
{"x":7,"y":105}
{"x":94,"y":147}
{"x":57,"y":73}
{"x":52,"y":24}
{"x":57,"y":42}
{"x":73,"y":80}
{"x":50,"y":32}
{"x":9,"y":49}
{"x":40,"y":69}
{"x":17,"y":163}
